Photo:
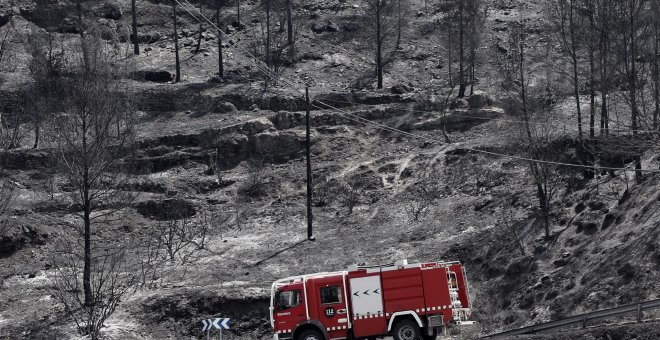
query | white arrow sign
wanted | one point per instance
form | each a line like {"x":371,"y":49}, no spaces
{"x":217,"y":323}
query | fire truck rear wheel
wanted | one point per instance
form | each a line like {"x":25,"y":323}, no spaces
{"x":310,"y":334}
{"x":407,"y":330}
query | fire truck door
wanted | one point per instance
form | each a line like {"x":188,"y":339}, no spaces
{"x":289,"y":309}
{"x":332,"y":305}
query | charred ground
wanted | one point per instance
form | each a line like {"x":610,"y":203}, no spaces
{"x":604,"y":248}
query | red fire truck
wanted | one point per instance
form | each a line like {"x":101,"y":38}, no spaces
{"x":407,"y":301}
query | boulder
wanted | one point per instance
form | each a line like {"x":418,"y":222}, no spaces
{"x":25,"y":159}
{"x":237,"y":25}
{"x":257,"y":126}
{"x":402,"y":88}
{"x":479,"y":100}
{"x":350,"y":26}
{"x":318,"y":28}
{"x":312,"y":55}
{"x":153,"y":75}
{"x":69,"y":25}
{"x":168,"y":209}
{"x":147,"y":38}
{"x":224,"y":107}
{"x":278,"y":145}
{"x":511,"y":104}
{"x":109,"y":10}
{"x":331,"y":27}
{"x":327,"y":26}
{"x":159,"y":163}
{"x":458,"y":103}
{"x":4,"y":19}
{"x":285,"y":120}
{"x":233,"y":149}
{"x":336,"y":59}
{"x":15,"y":237}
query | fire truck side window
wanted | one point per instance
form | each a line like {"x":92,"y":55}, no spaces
{"x":288,"y":299}
{"x":330,"y":294}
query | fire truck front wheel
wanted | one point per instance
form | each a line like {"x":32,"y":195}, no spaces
{"x":407,"y":329}
{"x":310,"y":334}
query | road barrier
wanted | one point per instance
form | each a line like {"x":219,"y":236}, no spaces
{"x":582,"y":319}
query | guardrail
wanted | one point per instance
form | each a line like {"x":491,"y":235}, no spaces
{"x":583,"y":319}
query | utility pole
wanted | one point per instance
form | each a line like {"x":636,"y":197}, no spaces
{"x":310,"y":236}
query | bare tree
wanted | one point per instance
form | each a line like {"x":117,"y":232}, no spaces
{"x":92,"y":138}
{"x":7,"y":48}
{"x":176,"y":42}
{"x":256,"y":183}
{"x":631,"y":25}
{"x":349,"y":195}
{"x":383,"y":25}
{"x":46,"y":66}
{"x":183,"y":237}
{"x":238,"y":15}
{"x":200,"y":32}
{"x":565,"y":21}
{"x":591,"y":34}
{"x":6,"y":195}
{"x":533,"y":140}
{"x":136,"y":42}
{"x":534,"y":143}
{"x":289,"y":26}
{"x":81,"y":31}
{"x":218,"y":6}
{"x":151,"y":260}
{"x":111,"y":280}
{"x":655,"y":63}
{"x":604,"y":9}
{"x":403,"y":8}
{"x":268,"y":46}
{"x":423,"y":195}
{"x":322,"y":192}
{"x":11,"y":134}
{"x":465,"y":20}
{"x":179,"y":238}
{"x":479,"y":14}
{"x":511,"y":225}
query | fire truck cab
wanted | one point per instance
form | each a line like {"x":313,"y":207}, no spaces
{"x":407,"y":301}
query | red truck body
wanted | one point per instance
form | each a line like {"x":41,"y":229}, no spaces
{"x":365,"y":302}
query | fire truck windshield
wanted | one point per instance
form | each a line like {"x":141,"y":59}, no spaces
{"x":287,"y":299}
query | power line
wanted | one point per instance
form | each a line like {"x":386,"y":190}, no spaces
{"x":495,"y":153}
{"x":516,"y":121}
{"x":353,"y":117}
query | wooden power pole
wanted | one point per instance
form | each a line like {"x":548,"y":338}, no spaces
{"x":310,"y":235}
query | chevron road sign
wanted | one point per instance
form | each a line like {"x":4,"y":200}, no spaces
{"x":217,"y":323}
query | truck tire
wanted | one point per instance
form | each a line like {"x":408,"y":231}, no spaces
{"x":407,"y":330}
{"x":310,"y":334}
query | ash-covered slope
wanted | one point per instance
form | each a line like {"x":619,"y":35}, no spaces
{"x":604,"y":249}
